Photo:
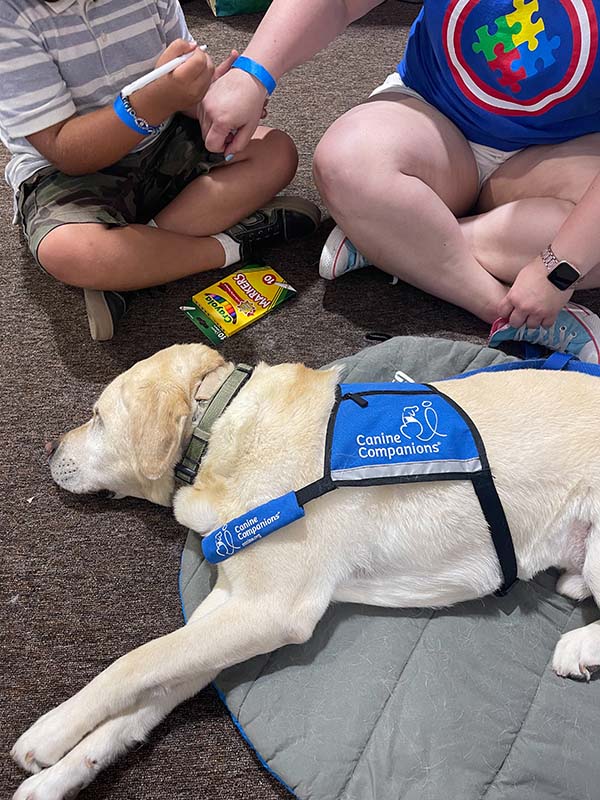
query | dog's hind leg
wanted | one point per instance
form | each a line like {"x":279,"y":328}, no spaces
{"x":573,"y":585}
{"x":577,"y":653}
{"x":143,"y":686}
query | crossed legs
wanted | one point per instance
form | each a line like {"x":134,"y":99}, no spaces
{"x":93,"y":256}
{"x":400,"y":179}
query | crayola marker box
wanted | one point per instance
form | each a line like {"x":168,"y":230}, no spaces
{"x":235,"y":301}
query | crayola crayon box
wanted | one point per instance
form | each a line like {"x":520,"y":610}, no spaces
{"x":237,"y":300}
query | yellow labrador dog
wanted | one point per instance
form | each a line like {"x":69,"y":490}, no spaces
{"x":405,"y":545}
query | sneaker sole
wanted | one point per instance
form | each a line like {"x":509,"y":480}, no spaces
{"x":331,"y":253}
{"x":298,"y":204}
{"x":99,"y":317}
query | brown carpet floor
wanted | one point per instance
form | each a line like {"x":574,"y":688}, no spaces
{"x":84,"y":580}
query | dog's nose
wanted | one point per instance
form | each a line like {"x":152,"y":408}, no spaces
{"x":51,"y":447}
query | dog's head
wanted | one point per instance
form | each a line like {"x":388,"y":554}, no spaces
{"x":140,"y":421}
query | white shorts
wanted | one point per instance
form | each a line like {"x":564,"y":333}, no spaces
{"x":488,"y":159}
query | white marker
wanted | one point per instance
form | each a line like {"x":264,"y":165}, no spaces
{"x":402,"y":377}
{"x":158,"y":72}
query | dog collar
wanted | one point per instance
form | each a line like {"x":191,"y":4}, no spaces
{"x":187,"y":469}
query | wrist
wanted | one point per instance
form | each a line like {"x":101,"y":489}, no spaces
{"x":127,"y":115}
{"x":151,"y":104}
{"x":562,"y":274}
{"x":270,"y":61}
{"x":257,"y":71}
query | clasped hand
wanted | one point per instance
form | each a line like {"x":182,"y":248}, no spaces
{"x":235,"y":103}
{"x":532,"y":300}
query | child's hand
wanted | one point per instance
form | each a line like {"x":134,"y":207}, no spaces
{"x":179,"y":47}
{"x":182,"y":88}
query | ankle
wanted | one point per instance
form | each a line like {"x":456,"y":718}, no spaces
{"x":231,"y":250}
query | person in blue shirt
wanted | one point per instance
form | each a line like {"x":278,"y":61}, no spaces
{"x":481,"y":155}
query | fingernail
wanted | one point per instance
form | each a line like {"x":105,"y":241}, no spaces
{"x":229,"y":157}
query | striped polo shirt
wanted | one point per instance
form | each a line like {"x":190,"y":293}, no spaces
{"x":71,"y":57}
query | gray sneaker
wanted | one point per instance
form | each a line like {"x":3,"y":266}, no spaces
{"x":104,"y":311}
{"x":284,"y":219}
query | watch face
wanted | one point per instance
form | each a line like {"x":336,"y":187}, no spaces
{"x":564,"y":275}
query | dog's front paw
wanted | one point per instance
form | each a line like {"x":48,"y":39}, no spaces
{"x":32,"y":751}
{"x":47,"y":740}
{"x":577,"y":653}
{"x":36,"y":788}
{"x":53,"y":783}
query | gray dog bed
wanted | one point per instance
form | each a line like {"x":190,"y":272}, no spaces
{"x":384,"y":704}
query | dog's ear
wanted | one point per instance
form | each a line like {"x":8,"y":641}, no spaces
{"x":157,"y":428}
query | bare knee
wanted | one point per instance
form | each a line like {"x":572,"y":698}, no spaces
{"x":278,"y":154}
{"x":71,"y":253}
{"x":557,"y":212}
{"x":350,"y":174}
{"x":337,"y":167}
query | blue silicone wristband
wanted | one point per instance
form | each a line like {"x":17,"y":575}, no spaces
{"x":129,"y":119}
{"x":254,"y":68}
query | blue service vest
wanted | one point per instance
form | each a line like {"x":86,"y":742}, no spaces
{"x":380,"y":433}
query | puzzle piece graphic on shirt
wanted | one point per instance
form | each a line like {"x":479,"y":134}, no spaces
{"x":489,"y":41}
{"x":529,"y":59}
{"x":504,"y":64}
{"x":529,"y":30}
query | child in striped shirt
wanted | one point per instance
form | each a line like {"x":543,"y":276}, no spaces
{"x":113,"y":203}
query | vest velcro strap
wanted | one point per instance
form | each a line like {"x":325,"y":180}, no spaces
{"x":495,"y":517}
{"x":314,"y":490}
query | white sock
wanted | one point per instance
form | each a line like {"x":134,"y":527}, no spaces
{"x":230,"y":246}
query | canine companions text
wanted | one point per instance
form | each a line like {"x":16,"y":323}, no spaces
{"x":424,"y":544}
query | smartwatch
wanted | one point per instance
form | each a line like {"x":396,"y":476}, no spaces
{"x":561,"y":274}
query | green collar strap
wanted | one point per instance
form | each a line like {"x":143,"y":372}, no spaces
{"x":187,"y":469}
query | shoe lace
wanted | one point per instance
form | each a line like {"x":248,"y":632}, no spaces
{"x":352,"y":254}
{"x":555,"y":337}
{"x":256,"y":226}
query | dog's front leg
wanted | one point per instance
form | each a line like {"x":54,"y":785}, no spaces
{"x":55,"y":733}
{"x":110,"y":740}
{"x":134,"y":694}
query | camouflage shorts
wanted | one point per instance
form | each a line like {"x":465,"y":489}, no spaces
{"x":134,"y":189}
